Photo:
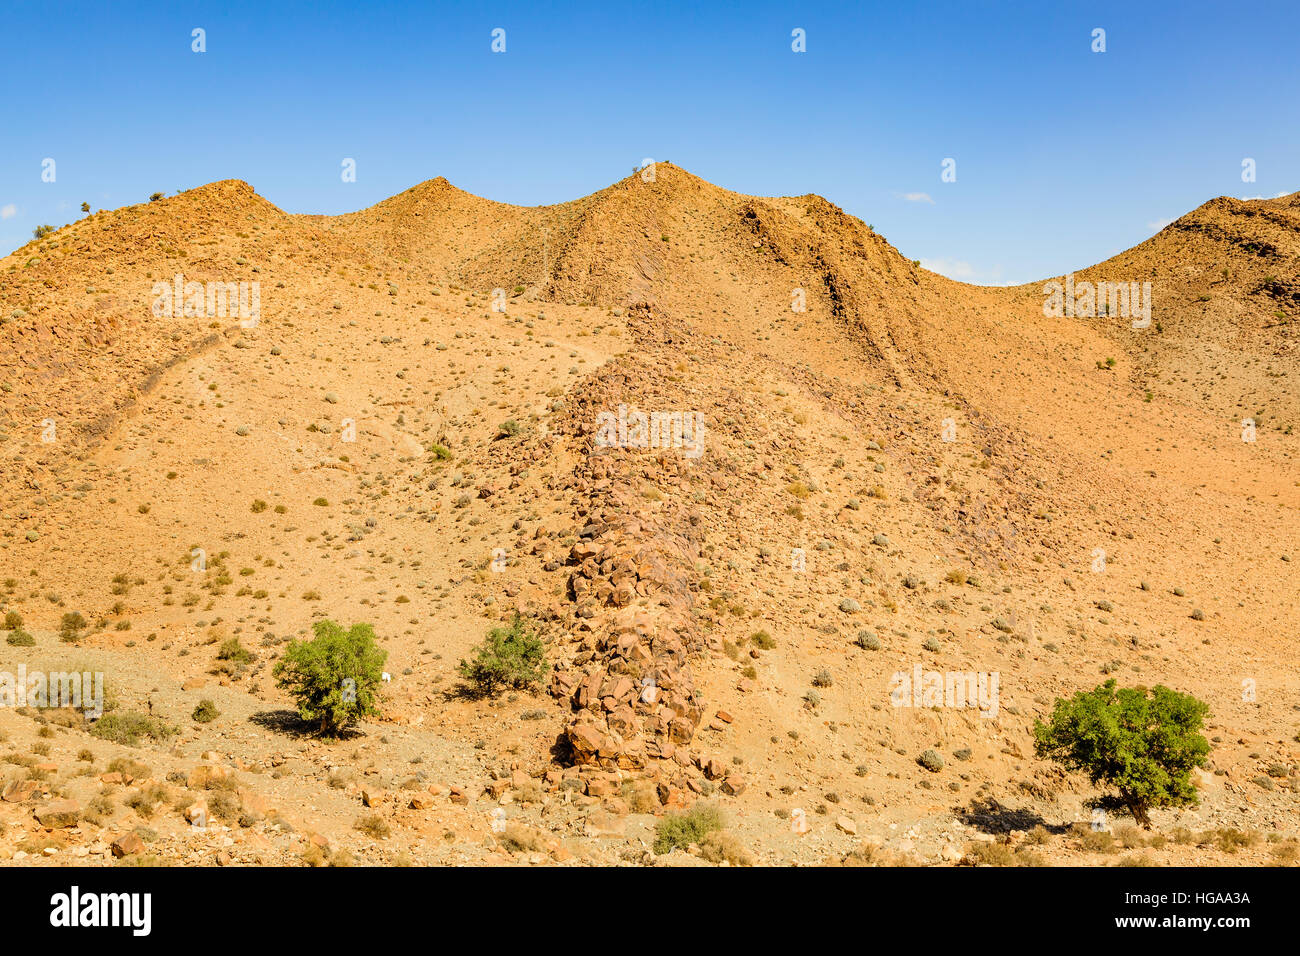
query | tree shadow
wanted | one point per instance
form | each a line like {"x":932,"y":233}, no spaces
{"x":989,"y":816}
{"x":288,"y":722}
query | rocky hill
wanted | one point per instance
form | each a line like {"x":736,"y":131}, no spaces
{"x":851,"y":469}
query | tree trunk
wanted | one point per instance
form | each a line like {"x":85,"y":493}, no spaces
{"x":1139,"y":811}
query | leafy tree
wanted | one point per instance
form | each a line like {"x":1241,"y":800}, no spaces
{"x":85,"y":207}
{"x":335,"y":676}
{"x":40,"y":232}
{"x":1142,"y":742}
{"x":513,"y":656}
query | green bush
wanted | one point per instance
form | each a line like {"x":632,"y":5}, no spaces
{"x":20,"y":638}
{"x":13,"y":620}
{"x":334,"y":677}
{"x":513,"y":656}
{"x":206,"y":712}
{"x":232,"y":650}
{"x":128,"y":727}
{"x":71,"y":626}
{"x":680,"y":830}
{"x":1142,"y":742}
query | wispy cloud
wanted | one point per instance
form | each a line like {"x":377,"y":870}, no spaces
{"x":963,"y":271}
{"x":1158,"y":224}
{"x":8,"y":211}
{"x":952,"y":268}
{"x":918,"y":197}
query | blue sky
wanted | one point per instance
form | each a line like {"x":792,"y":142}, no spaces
{"x":1063,"y":156}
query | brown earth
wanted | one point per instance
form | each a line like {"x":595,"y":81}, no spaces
{"x":975,"y":486}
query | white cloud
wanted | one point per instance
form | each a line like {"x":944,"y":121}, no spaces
{"x":952,"y":268}
{"x":8,"y":211}
{"x":1158,"y":224}
{"x":963,"y":271}
{"x":918,"y":197}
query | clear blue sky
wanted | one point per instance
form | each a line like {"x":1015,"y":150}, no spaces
{"x":1063,"y":156}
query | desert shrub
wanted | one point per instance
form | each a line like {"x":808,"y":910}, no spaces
{"x":720,"y":846}
{"x":1230,"y":840}
{"x":512,"y":656}
{"x":867,"y":641}
{"x":223,"y":805}
{"x":333,"y":677}
{"x":20,"y":638}
{"x":144,"y":801}
{"x":1098,"y":841}
{"x":1142,"y":742}
{"x":206,"y":712}
{"x":71,"y":626}
{"x":129,"y":768}
{"x":522,"y":839}
{"x":931,"y":760}
{"x":130,"y":726}
{"x":989,"y":854}
{"x":232,"y":650}
{"x":1286,"y":854}
{"x":13,"y":620}
{"x":1130,"y":837}
{"x":372,"y":825}
{"x":680,"y":830}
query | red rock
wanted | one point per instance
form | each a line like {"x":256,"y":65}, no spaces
{"x":19,"y":790}
{"x":58,"y":813}
{"x":714,"y":768}
{"x":128,"y":844}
